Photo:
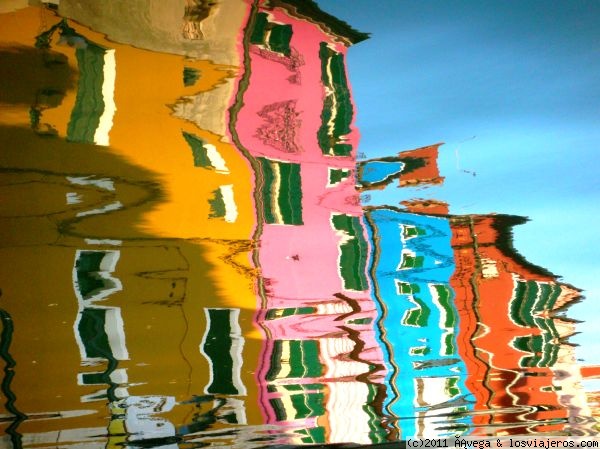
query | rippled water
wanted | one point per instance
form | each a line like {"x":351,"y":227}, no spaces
{"x":191,"y":253}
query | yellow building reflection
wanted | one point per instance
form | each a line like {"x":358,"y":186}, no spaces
{"x":126,"y":217}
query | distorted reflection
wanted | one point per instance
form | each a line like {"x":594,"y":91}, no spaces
{"x":188,"y":262}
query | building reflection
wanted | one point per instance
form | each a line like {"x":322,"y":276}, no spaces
{"x":321,"y":373}
{"x":489,"y":349}
{"x":182,"y":186}
{"x":148,"y":299}
{"x":519,"y":334}
{"x":413,"y":263}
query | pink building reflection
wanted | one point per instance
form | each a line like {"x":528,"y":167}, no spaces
{"x":321,"y":362}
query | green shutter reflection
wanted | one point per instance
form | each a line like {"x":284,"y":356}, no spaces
{"x":190,"y":76}
{"x":314,"y":435}
{"x":302,"y":358}
{"x":273,"y":314}
{"x":259,"y":30}
{"x":337,"y":113}
{"x":278,"y":408}
{"x":412,"y":231}
{"x":549,"y":293}
{"x":377,"y":433}
{"x":89,"y":104}
{"x":222,"y":345}
{"x":217,"y":205}
{"x":452,"y":387}
{"x":406,"y":288}
{"x":308,"y":404}
{"x":528,"y":309}
{"x":532,"y":344}
{"x":273,"y":36}
{"x":218,"y":348}
{"x":417,"y":316}
{"x":199,"y":152}
{"x":92,"y":330}
{"x":279,"y":39}
{"x":337,"y":175}
{"x":87,"y":267}
{"x":92,"y":277}
{"x":449,"y":347}
{"x":281,"y":192}
{"x":93,"y":378}
{"x":353,"y":252}
{"x":306,"y":400}
{"x":420,"y":350}
{"x":551,"y":339}
{"x":410,"y":261}
{"x":521,"y":307}
{"x":543,"y":352}
{"x":6,"y":339}
{"x":445,"y":300}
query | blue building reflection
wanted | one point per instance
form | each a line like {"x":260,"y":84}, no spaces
{"x":411,"y":270}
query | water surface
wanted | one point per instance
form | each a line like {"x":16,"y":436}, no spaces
{"x":196,"y":252}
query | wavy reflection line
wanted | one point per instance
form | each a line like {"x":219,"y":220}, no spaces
{"x":9,"y":374}
{"x":66,"y":226}
{"x":393,"y":430}
{"x":234,"y":111}
{"x":479,"y":326}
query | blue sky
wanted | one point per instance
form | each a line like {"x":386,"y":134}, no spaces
{"x":513,"y":89}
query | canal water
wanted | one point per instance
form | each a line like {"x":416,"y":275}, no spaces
{"x":198,"y":249}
